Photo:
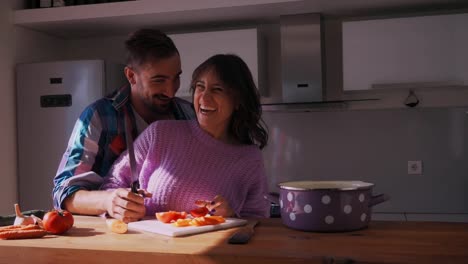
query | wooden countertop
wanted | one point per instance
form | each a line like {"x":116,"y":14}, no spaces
{"x":89,"y":241}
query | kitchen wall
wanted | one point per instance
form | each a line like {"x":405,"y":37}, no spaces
{"x":7,"y":107}
{"x":18,"y":45}
{"x":374,"y":146}
{"x":370,"y":145}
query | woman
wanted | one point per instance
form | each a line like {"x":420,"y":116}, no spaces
{"x":215,"y":159}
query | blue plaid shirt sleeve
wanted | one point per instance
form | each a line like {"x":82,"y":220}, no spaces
{"x":75,"y":169}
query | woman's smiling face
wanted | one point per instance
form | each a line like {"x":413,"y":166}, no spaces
{"x":214,"y":104}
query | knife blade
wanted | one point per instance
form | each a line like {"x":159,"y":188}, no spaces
{"x":243,"y":235}
{"x":135,"y":185}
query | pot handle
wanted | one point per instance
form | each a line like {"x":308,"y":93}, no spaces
{"x":377,"y":199}
{"x":272,"y":197}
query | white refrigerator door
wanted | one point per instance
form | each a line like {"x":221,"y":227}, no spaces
{"x":50,"y":98}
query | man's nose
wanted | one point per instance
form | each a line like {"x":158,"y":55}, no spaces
{"x":171,"y":90}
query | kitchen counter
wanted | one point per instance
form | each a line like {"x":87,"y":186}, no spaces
{"x":89,"y":241}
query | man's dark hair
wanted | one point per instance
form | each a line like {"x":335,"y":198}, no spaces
{"x":145,"y":45}
{"x":246,"y":123}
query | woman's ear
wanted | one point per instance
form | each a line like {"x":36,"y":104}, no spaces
{"x":130,"y":74}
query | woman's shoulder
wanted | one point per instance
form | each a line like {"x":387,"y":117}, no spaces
{"x":170,"y":127}
{"x":171,"y":124}
{"x":250,"y":153}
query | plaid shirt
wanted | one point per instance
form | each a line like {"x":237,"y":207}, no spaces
{"x":97,"y":140}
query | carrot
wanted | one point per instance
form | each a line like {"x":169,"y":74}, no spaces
{"x":22,"y":233}
{"x":19,"y":227}
{"x":117,"y":226}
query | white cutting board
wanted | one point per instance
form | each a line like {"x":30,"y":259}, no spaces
{"x":158,"y":227}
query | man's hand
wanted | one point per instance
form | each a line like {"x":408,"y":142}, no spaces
{"x":125,"y":205}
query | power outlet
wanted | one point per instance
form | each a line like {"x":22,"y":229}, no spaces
{"x":415,"y":167}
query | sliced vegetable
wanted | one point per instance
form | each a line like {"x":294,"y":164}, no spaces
{"x":200,"y":211}
{"x":167,"y":217}
{"x":117,"y":226}
{"x":217,"y":218}
{"x":207,"y":220}
{"x":182,"y":222}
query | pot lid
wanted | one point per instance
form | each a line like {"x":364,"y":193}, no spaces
{"x":325,"y":185}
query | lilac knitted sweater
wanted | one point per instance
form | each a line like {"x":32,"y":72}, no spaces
{"x":179,"y":163}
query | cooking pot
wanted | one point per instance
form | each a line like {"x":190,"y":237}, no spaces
{"x":327,"y":206}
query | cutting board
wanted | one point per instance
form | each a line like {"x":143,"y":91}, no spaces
{"x":155,"y":226}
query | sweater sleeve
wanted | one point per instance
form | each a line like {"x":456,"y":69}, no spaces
{"x":120,"y":174}
{"x":255,"y":204}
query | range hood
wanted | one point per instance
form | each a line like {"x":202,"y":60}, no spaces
{"x":303,"y":86}
{"x":302,"y":71}
{"x":301,"y":58}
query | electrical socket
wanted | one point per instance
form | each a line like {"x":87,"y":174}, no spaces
{"x":415,"y":167}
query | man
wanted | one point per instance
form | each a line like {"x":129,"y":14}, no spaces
{"x":153,"y":71}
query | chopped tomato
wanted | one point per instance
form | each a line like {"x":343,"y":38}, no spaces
{"x":200,"y":211}
{"x":210,"y":221}
{"x":207,"y":220}
{"x":217,"y":218}
{"x":167,"y":217}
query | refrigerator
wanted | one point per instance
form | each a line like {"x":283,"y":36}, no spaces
{"x":50,"y":98}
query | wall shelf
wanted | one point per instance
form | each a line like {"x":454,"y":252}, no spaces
{"x":117,"y":18}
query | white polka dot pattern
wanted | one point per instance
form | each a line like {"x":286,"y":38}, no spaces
{"x":329,"y":219}
{"x":308,"y":208}
{"x":347,"y":209}
{"x":363,"y":217}
{"x":326,"y":199}
{"x":292,"y":216}
{"x":290,"y":197}
{"x":361,"y":197}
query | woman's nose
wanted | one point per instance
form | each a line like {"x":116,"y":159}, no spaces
{"x":206,"y":96}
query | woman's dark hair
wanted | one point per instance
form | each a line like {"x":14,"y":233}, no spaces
{"x":246,"y":122}
{"x":145,"y":45}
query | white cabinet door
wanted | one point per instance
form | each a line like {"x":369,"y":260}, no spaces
{"x":424,"y":49}
{"x":195,"y":48}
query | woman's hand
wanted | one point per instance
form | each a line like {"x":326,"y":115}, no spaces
{"x":218,"y":206}
{"x":127,"y":206}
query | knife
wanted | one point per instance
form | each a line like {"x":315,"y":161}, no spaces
{"x":243,"y":235}
{"x":135,"y":185}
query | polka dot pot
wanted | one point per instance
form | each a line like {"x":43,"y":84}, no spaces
{"x":327,"y":206}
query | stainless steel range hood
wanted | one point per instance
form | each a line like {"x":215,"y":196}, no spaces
{"x":303,"y":67}
{"x":301,"y":58}
{"x":302,"y":71}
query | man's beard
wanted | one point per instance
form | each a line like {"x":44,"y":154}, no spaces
{"x":159,"y":108}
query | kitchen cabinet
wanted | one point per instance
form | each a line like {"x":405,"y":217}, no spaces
{"x":405,"y":52}
{"x":89,"y":241}
{"x":194,"y":48}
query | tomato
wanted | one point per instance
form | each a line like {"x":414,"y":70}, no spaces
{"x":167,"y":217}
{"x":57,"y":222}
{"x":217,"y":218}
{"x":200,"y":211}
